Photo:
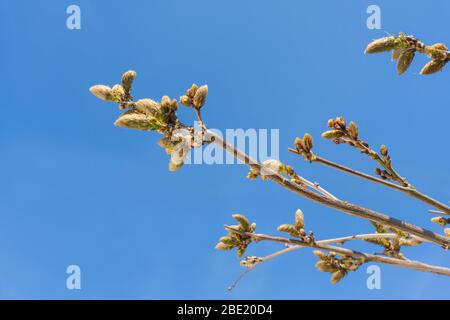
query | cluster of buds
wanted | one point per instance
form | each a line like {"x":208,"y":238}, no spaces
{"x":250,"y":261}
{"x":404,"y":49}
{"x":304,"y":146}
{"x":144,"y":114}
{"x":195,"y":96}
{"x":392,"y":247}
{"x":119,"y":93}
{"x":238,"y":240}
{"x":150,"y":115}
{"x":297,"y":230}
{"x":338,"y":267}
{"x":342,"y":133}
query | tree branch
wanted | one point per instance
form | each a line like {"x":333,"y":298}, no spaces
{"x":408,"y":264}
{"x":340,"y":205}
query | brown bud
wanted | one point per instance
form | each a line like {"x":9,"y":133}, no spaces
{"x":148,"y":106}
{"x":447,"y":232}
{"x":332,"y":134}
{"x":381,"y":45}
{"x":324,"y":266}
{"x":384,"y":150}
{"x":299,"y":219}
{"x":440,"y":221}
{"x":223,"y":246}
{"x":337,"y":276}
{"x":127,"y":80}
{"x":243,"y":221}
{"x":134,"y":119}
{"x":353,"y":130}
{"x":298,"y":143}
{"x":101,"y":92}
{"x":404,"y":60}
{"x":433,"y":66}
{"x":191,"y":91}
{"x":290,"y":229}
{"x":185,"y":101}
{"x":307,"y":142}
{"x":330,"y":123}
{"x":118,"y":93}
{"x":229,"y":240}
{"x":200,"y":97}
{"x":166,"y":102}
{"x":340,"y":122}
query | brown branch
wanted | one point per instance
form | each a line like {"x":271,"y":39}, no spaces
{"x":408,"y":264}
{"x":291,"y":248}
{"x":340,"y":205}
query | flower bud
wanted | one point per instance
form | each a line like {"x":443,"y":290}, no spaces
{"x":148,"y":106}
{"x":134,"y":119}
{"x":440,"y":221}
{"x":298,"y":143}
{"x":243,"y":221}
{"x":127,"y":80}
{"x":118,"y":93}
{"x":353,"y":130}
{"x":381,"y":45}
{"x":307,"y":142}
{"x":191,"y":91}
{"x":200,"y":97}
{"x":290,"y":229}
{"x":299,"y":219}
{"x":324,"y":266}
{"x":223,"y":246}
{"x":185,"y":101}
{"x":101,"y":92}
{"x":337,"y":276}
{"x":433,"y":66}
{"x":229,"y":240}
{"x":332,"y":134}
{"x":404,"y":61}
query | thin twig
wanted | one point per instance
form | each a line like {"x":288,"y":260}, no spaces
{"x":317,"y":187}
{"x":437,"y":212}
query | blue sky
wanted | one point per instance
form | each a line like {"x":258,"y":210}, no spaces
{"x":77,"y":190}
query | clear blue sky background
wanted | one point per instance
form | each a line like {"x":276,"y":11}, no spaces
{"x":74,"y":189}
